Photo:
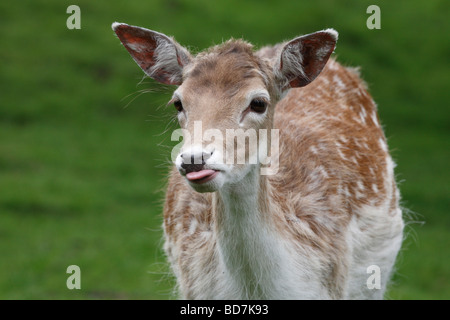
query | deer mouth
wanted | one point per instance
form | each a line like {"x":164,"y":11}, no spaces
{"x":201,"y":176}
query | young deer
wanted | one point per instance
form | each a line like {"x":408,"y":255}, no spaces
{"x":314,"y":228}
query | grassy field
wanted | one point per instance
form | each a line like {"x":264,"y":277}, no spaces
{"x":84,"y":143}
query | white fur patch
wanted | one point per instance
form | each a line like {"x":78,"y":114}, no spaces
{"x":375,"y":238}
{"x":258,"y":261}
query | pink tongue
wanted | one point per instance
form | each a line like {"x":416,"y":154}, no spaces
{"x":199,"y":174}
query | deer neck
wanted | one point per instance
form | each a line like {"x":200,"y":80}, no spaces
{"x":240,"y":201}
{"x":246,"y":237}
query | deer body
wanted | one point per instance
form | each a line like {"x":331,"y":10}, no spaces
{"x":311,"y":230}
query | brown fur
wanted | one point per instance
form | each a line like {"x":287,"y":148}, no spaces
{"x":312,"y":229}
{"x":335,"y":152}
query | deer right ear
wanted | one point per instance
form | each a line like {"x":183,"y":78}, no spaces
{"x":302,"y":59}
{"x":159,"y":56}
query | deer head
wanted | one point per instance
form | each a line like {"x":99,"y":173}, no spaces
{"x":226,"y":94}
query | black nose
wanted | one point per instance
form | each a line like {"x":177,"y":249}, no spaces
{"x":194,"y":162}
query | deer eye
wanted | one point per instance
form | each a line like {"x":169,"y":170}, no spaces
{"x":258,"y":105}
{"x":178,"y":105}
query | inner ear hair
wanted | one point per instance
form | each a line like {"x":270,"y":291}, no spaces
{"x":302,"y":59}
{"x":161,"y":57}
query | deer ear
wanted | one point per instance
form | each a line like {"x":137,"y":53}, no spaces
{"x":159,"y":56}
{"x":301,"y":60}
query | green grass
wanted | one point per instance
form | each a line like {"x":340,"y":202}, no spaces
{"x":83,"y":156}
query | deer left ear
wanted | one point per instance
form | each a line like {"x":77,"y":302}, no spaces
{"x":302,"y":59}
{"x":161,"y":57}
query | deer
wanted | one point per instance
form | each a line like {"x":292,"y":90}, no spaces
{"x":314,"y":227}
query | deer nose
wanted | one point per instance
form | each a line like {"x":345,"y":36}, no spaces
{"x":193,"y":162}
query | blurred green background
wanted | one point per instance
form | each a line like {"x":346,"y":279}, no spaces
{"x":85,"y":141}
